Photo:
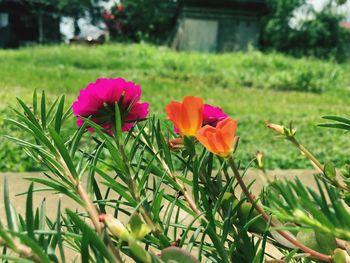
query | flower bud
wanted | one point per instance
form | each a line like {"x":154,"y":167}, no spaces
{"x":281,"y":130}
{"x":260,"y":160}
{"x":115,"y":227}
{"x":340,"y":256}
{"x":176,"y":144}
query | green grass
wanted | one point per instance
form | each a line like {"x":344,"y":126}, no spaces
{"x":253,"y":88}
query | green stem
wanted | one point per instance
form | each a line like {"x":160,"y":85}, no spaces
{"x":308,"y":154}
{"x":156,"y":230}
{"x":316,"y":163}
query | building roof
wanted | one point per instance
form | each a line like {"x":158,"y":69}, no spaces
{"x":345,"y":25}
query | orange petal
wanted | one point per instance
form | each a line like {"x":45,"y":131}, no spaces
{"x":206,"y":136}
{"x":192,"y":114}
{"x":227,"y":131}
{"x":218,"y":140}
{"x":173,"y":111}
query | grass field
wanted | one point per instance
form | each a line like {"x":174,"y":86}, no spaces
{"x":252,"y":87}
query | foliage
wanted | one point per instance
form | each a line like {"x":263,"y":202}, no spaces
{"x":126,"y":20}
{"x":76,"y":9}
{"x":158,"y":204}
{"x":144,"y":189}
{"x":319,"y":35}
{"x":236,"y":81}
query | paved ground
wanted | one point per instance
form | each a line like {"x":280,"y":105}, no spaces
{"x":18,"y":185}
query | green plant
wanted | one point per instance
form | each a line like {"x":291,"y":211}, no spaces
{"x":164,"y":204}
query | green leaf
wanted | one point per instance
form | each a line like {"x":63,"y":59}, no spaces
{"x":140,"y":252}
{"x":59,"y":233}
{"x":189,"y":145}
{"x":337,"y":118}
{"x":10,"y":215}
{"x":94,"y":238}
{"x":84,"y":248}
{"x":35,"y":102}
{"x":29,"y":212}
{"x":138,"y":228}
{"x":339,"y":256}
{"x":329,"y":171}
{"x":28,"y":113}
{"x":63,"y":152}
{"x":58,"y":116}
{"x":56,"y":187}
{"x":118,"y":123}
{"x":317,"y":241}
{"x":43,"y":110}
{"x":177,"y":255}
{"x":76,"y":139}
{"x":326,"y":242}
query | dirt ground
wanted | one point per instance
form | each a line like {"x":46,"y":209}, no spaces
{"x":18,"y":185}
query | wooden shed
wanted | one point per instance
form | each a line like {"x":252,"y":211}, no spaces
{"x":27,"y":21}
{"x":219,"y":25}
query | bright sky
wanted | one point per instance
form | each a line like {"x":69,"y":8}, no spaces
{"x":320,"y":3}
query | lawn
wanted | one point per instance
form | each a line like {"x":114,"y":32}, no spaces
{"x":252,"y":88}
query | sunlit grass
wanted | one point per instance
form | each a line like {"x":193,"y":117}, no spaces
{"x":253,"y":88}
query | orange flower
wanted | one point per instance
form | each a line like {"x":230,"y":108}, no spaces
{"x":219,"y":140}
{"x":186,"y":116}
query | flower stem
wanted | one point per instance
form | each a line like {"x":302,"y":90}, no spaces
{"x":134,"y":192}
{"x":22,"y":250}
{"x":308,"y":154}
{"x":266,"y":217}
{"x":90,"y":209}
{"x":316,"y":163}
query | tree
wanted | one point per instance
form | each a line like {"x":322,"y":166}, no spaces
{"x":318,"y":35}
{"x":76,"y":9}
{"x":150,"y":20}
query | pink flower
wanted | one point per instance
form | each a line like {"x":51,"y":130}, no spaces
{"x":98,"y":101}
{"x":211,"y":116}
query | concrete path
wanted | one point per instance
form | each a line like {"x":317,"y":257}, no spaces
{"x":18,"y":185}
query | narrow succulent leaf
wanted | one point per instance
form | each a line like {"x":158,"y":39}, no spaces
{"x":118,"y":123}
{"x":56,"y":187}
{"x":117,"y":187}
{"x":84,"y":249}
{"x":337,"y":118}
{"x":9,"y":215}
{"x":51,"y":109}
{"x":35,"y":102}
{"x":63,"y":152}
{"x":29,"y":212}
{"x":329,"y":171}
{"x":59,"y":114}
{"x":76,"y":139}
{"x":28,"y":113}
{"x":94,"y":238}
{"x":43,"y":110}
{"x":59,"y":233}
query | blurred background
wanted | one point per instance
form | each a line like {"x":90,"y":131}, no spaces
{"x":260,"y":60}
